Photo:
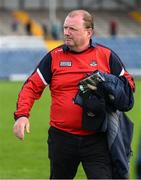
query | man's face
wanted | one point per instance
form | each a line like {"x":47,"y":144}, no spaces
{"x":75,"y":34}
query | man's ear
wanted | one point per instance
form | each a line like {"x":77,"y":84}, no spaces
{"x":90,"y":32}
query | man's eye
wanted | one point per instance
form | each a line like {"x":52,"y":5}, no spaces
{"x":73,"y":29}
{"x":70,"y":28}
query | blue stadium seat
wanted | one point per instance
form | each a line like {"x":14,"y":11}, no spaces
{"x":127,"y":48}
{"x":24,"y":60}
{"x":19,"y":61}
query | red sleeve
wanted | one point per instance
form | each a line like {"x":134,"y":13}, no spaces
{"x":31,"y":91}
{"x":117,"y":68}
{"x":130,"y":80}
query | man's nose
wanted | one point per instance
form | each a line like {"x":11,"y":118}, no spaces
{"x":66,"y":32}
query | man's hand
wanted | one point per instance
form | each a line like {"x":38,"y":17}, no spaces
{"x":21,"y":125}
{"x":94,"y":88}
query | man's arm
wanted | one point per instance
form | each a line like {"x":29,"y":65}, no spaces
{"x":118,"y":93}
{"x":118,"y":69}
{"x":31,"y":91}
{"x":119,"y":85}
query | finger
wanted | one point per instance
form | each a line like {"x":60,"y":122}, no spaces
{"x":15,"y":130}
{"x":27,"y":128}
{"x":19,"y":132}
{"x":19,"y":135}
{"x":92,"y":87}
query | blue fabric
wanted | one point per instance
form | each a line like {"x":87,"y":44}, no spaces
{"x":139,"y":160}
{"x":118,"y":92}
{"x":117,"y":125}
{"x":119,"y":134}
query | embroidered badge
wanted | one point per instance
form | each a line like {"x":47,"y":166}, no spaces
{"x":93,"y":63}
{"x":65,"y":63}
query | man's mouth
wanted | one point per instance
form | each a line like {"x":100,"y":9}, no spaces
{"x":67,"y":39}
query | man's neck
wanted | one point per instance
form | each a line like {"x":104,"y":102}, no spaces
{"x":80,"y":49}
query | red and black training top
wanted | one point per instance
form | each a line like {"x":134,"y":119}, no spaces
{"x":62,"y":70}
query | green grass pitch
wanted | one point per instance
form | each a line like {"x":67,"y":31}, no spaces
{"x":28,"y":159}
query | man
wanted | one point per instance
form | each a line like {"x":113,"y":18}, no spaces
{"x":70,"y":142}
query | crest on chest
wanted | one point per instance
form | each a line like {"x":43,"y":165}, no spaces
{"x":93,"y":63}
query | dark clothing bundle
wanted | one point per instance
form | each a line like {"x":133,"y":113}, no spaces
{"x":111,"y":96}
{"x":138,"y":164}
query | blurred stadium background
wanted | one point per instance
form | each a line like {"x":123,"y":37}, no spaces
{"x":28,"y":30}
